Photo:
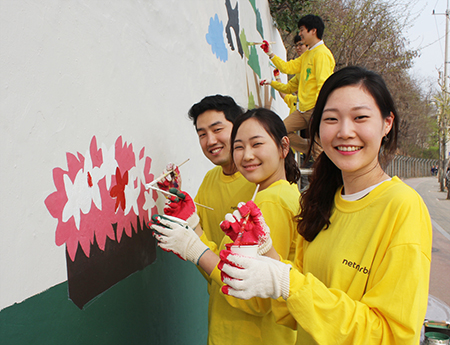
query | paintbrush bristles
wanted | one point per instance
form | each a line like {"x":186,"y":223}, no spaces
{"x":168,"y":193}
{"x":151,"y":185}
{"x":164,"y":175}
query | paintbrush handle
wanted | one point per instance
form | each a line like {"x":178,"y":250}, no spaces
{"x":168,"y":193}
{"x":163,"y":175}
{"x":241,"y":232}
{"x":244,"y":223}
{"x":255,"y":43}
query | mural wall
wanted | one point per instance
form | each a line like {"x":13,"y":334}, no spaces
{"x":94,"y":100}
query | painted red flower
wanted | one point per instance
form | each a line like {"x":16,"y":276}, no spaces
{"x":118,"y":191}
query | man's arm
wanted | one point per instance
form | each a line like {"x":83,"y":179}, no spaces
{"x":290,"y":87}
{"x":288,"y":67}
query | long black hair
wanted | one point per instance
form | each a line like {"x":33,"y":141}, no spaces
{"x":318,"y":200}
{"x":273,"y":124}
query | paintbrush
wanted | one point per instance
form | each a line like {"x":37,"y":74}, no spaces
{"x":149,"y":185}
{"x":244,"y":223}
{"x":168,"y":193}
{"x":255,"y":43}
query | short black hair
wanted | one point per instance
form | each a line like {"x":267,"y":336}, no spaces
{"x":225,"y":104}
{"x":310,"y":21}
{"x":297,"y":39}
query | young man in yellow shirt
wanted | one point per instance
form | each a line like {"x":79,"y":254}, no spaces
{"x":312,"y":68}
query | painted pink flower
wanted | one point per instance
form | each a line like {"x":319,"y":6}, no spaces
{"x":124,"y":155}
{"x":67,"y":230}
{"x":90,"y":197}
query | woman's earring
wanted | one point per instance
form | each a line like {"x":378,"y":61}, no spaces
{"x":286,"y":146}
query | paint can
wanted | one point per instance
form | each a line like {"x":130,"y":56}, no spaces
{"x":435,"y":338}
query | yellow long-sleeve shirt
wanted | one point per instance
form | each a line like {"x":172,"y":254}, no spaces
{"x":313,"y":67}
{"x":364,"y":280}
{"x":290,"y":87}
{"x":291,"y":101}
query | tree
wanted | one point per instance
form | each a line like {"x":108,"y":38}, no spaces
{"x":287,"y":13}
{"x":442,"y":103}
{"x":417,"y":134}
{"x":368,"y":33}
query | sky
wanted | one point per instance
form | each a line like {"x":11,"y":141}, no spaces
{"x":428,"y":34}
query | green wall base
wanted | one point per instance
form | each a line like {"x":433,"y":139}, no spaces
{"x":166,"y":303}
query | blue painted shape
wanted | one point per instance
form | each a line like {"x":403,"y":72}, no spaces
{"x":214,"y":37}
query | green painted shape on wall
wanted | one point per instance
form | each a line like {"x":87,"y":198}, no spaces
{"x":251,"y":101}
{"x":244,"y":43}
{"x":253,"y":61}
{"x":166,"y":303}
{"x":259,"y":25}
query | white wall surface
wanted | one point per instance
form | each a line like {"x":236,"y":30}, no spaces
{"x":70,"y":70}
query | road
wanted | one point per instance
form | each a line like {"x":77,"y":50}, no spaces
{"x":439,"y":208}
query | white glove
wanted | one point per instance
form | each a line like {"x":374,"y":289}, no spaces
{"x":174,"y":235}
{"x":248,"y":277}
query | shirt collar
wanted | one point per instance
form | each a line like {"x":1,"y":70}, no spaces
{"x":316,"y":45}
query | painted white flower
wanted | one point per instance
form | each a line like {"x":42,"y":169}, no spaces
{"x":108,"y":168}
{"x":83,"y":192}
{"x":149,"y":203}
{"x":132,"y":191}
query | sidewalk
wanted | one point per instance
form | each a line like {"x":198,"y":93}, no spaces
{"x":439,"y":208}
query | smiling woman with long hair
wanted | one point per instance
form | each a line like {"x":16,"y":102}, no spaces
{"x":362,"y":263}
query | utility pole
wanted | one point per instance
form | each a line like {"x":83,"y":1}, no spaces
{"x":443,"y":122}
{"x":443,"y":116}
